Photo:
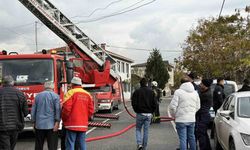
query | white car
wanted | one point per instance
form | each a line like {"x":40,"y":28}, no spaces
{"x":232,"y":123}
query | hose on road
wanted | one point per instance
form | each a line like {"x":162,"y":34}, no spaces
{"x":163,"y":119}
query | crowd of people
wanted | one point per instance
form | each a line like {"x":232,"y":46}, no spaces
{"x":189,"y":106}
{"x":46,"y":114}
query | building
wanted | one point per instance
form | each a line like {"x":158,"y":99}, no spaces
{"x":123,"y":68}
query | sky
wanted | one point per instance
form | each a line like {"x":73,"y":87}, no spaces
{"x":144,"y":25}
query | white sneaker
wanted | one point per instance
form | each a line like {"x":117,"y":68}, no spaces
{"x":139,"y":147}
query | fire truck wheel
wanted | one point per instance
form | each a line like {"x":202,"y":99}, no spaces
{"x":117,"y":107}
{"x":111,"y":108}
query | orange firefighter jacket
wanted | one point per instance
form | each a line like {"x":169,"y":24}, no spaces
{"x":77,"y":109}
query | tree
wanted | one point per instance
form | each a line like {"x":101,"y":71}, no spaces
{"x":157,"y":69}
{"x":135,"y":81}
{"x":219,"y":46}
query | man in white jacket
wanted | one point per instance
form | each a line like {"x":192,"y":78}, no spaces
{"x":184,"y":105}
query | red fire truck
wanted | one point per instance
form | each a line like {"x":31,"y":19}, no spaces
{"x":90,"y":62}
{"x":107,"y":96}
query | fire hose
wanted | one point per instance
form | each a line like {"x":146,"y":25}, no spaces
{"x":163,"y":119}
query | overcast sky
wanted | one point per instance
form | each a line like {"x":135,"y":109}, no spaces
{"x":162,"y":24}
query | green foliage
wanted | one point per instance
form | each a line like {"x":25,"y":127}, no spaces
{"x":156,"y":68}
{"x":219,"y":46}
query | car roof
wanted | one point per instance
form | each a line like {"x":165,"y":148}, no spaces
{"x":215,"y":82}
{"x":242,"y":94}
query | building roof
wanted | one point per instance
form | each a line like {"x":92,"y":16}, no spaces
{"x":117,"y":56}
{"x":144,"y":64}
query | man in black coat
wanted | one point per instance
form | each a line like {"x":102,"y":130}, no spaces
{"x":144,"y":104}
{"x":218,"y":94}
{"x":13,"y":109}
{"x":246,"y":86}
{"x":202,"y":115}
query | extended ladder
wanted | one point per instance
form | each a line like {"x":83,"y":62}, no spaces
{"x":55,"y":20}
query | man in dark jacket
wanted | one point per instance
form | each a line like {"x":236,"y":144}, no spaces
{"x":246,"y":86}
{"x":202,"y":116}
{"x":218,"y":94}
{"x":144,"y":104}
{"x":13,"y":109}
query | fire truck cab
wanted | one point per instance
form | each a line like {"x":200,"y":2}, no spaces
{"x":31,"y":71}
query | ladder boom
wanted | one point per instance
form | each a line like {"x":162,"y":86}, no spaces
{"x":55,"y":20}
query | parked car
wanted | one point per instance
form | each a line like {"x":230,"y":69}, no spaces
{"x":232,"y":123}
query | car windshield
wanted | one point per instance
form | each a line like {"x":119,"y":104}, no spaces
{"x":243,"y":107}
{"x":27,"y":71}
{"x":101,"y":89}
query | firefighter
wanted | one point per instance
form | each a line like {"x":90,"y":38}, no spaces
{"x":157,"y":92}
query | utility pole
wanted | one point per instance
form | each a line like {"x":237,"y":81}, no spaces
{"x":36,"y":35}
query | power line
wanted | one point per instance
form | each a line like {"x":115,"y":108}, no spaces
{"x":222,"y":7}
{"x":115,"y":14}
{"x":98,"y":9}
{"x":142,"y":49}
{"x":129,"y":6}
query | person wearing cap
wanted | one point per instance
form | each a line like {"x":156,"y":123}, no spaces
{"x":218,"y":94}
{"x":183,"y":106}
{"x":46,"y":116}
{"x":246,"y":86}
{"x":76,"y":111}
{"x":13,"y":109}
{"x":202,"y":116}
{"x":157,"y":92}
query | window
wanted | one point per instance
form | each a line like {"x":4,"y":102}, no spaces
{"x":232,"y":104}
{"x":118,"y":66}
{"x":243,"y":107}
{"x":113,"y":67}
{"x":227,"y":102}
{"x":28,"y":71}
{"x":60,"y":75}
{"x":127,"y":68}
{"x":123,"y":67}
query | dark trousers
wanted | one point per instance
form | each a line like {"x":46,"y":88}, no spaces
{"x":50,"y":135}
{"x":157,"y":110}
{"x":202,"y":123}
{"x":8,"y":140}
{"x":156,"y":115}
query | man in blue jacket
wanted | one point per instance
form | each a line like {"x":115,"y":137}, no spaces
{"x":46,"y":116}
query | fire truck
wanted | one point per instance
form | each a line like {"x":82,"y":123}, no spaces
{"x":108,"y":97}
{"x":90,"y":62}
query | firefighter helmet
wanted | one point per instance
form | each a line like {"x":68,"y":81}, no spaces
{"x":154,"y":83}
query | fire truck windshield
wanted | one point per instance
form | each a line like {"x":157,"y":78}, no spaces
{"x":28,"y":71}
